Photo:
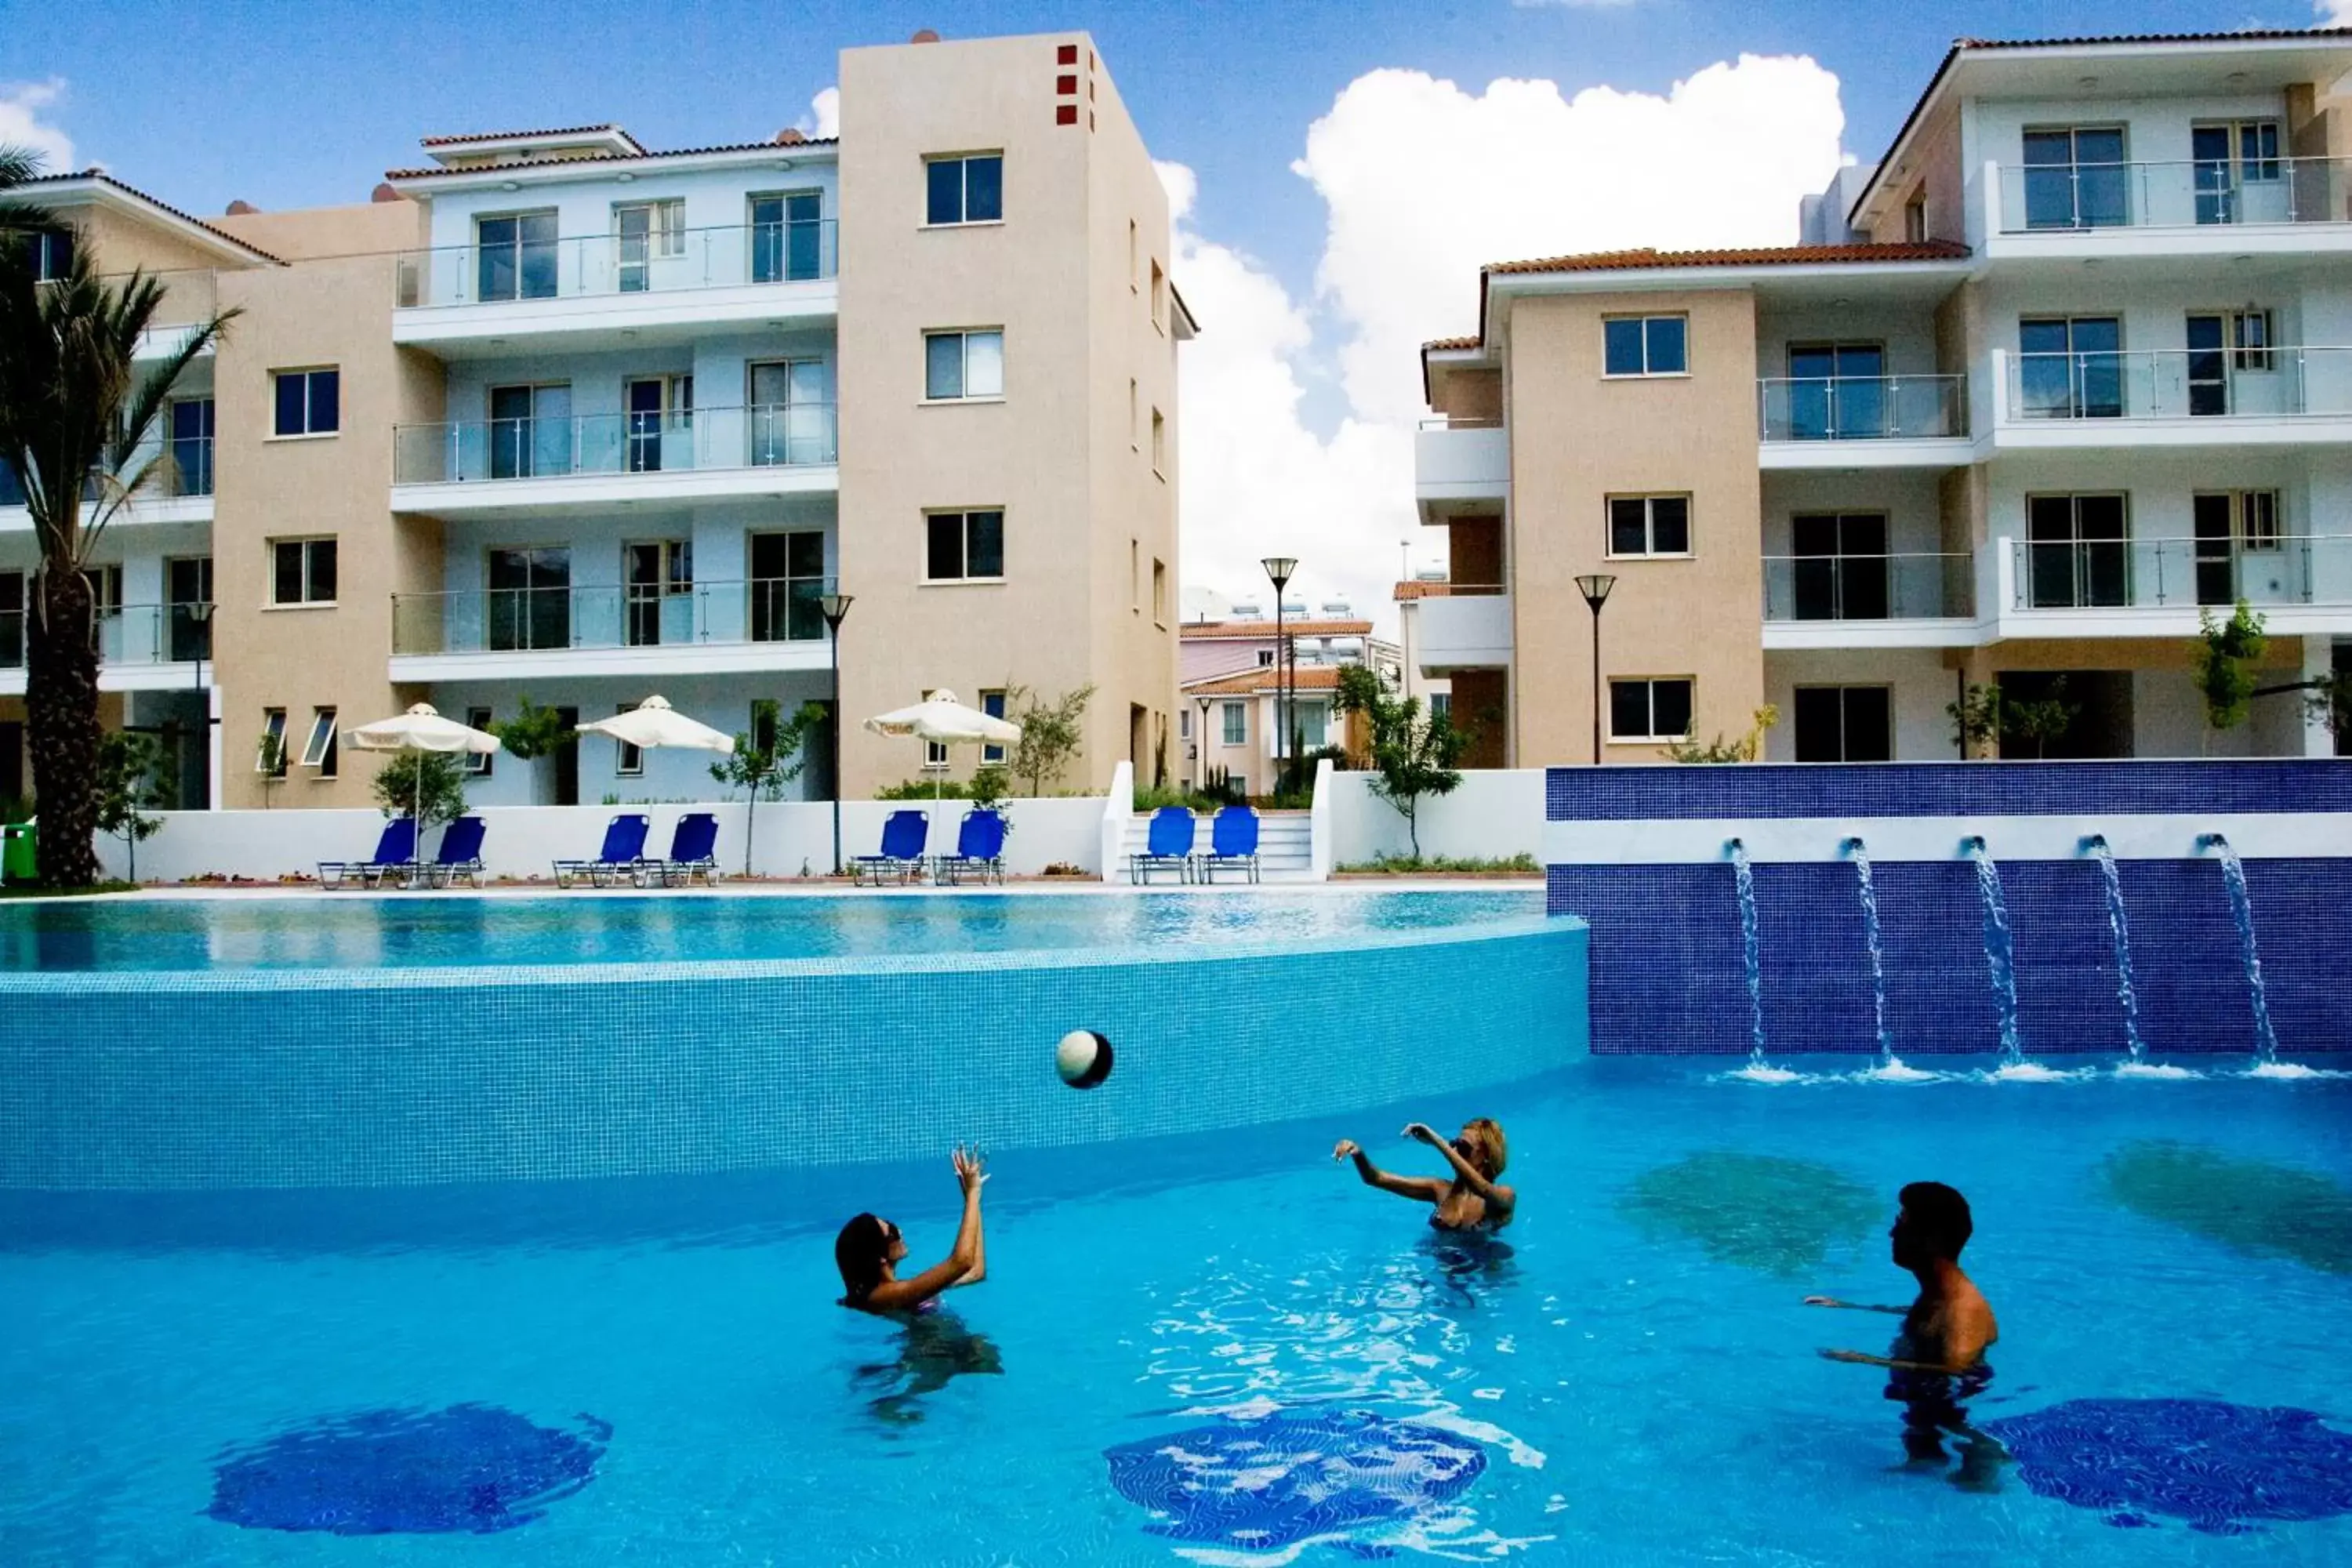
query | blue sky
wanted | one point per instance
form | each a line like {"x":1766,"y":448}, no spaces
{"x":1330,"y":226}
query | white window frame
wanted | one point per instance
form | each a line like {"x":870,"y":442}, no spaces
{"x":964,"y":554}
{"x":1650,"y":551}
{"x":665,"y":226}
{"x":1233,"y":716}
{"x":964,"y":196}
{"x":992,"y":756}
{"x":964,"y":336}
{"x":273,"y":727}
{"x":478,"y":763}
{"x":1645,"y":372}
{"x":319,"y":745}
{"x":309,"y":431}
{"x":628,"y":762}
{"x":1653,"y":682}
{"x":306,"y":602}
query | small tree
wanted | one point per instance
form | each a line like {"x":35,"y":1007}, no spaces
{"x":427,"y":785}
{"x":2224,"y":654}
{"x":2038,"y":722}
{"x":2329,"y":699}
{"x":1976,"y":720}
{"x":1051,"y":734}
{"x":1411,"y":755}
{"x":1745,"y":749}
{"x":129,"y":786}
{"x":766,"y":758}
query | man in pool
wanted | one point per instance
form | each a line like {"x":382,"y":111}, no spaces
{"x":1473,"y":1199}
{"x":1938,"y":1357}
{"x":869,"y":1249}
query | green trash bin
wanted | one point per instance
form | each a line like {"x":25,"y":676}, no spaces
{"x":18,"y":843}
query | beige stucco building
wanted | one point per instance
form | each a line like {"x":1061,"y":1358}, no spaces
{"x":556,"y":416}
{"x":2072,"y":363}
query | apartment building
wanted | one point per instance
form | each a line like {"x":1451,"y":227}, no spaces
{"x":2071,"y":364}
{"x":558,"y":417}
{"x":1252,"y":686}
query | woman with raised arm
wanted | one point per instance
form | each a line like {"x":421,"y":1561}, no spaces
{"x":869,"y":1249}
{"x":1472,"y":1198}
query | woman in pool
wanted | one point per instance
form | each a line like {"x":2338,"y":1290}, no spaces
{"x":1473,"y":1200}
{"x":869,"y":1249}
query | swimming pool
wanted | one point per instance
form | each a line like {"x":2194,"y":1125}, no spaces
{"x":1629,"y":1381}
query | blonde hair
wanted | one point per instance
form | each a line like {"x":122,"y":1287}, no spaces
{"x":1487,"y":1133}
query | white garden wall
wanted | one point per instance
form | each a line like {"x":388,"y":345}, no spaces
{"x":791,"y":837}
{"x":1492,"y":814}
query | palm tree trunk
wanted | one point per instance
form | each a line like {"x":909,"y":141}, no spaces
{"x":61,"y":726}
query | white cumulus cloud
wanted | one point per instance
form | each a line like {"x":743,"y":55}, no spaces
{"x":24,"y":122}
{"x":1422,"y":182}
{"x":2334,"y":13}
{"x":823,"y":116}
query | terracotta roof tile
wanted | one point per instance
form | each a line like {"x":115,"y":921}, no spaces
{"x":1421,"y":588}
{"x":104,"y":178}
{"x":1442,"y":345}
{"x":1217,"y":631}
{"x":1244,"y":683}
{"x":1756,"y":256}
{"x":513,"y":135}
{"x":2244,"y":34}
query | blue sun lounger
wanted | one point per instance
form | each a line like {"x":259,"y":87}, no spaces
{"x":1233,"y":841}
{"x":623,"y":848}
{"x":693,"y":852}
{"x":980,"y":847}
{"x":903,"y":834}
{"x":460,"y":854}
{"x":395,"y":850}
{"x":1170,"y":843}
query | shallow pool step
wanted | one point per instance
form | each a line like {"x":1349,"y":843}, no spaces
{"x":1285,"y":844}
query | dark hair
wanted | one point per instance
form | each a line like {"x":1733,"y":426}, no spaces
{"x":1938,"y":1218}
{"x":860,"y":1252}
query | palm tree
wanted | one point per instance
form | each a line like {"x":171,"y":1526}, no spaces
{"x":75,"y":418}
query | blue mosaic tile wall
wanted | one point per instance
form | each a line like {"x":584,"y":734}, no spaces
{"x":276,"y":1079}
{"x":1947,"y":789}
{"x":1668,"y":974}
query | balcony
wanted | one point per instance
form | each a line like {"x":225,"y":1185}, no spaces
{"x":1463,"y":626}
{"x":141,"y":647}
{"x":763,"y":625}
{"x":1868,"y":601}
{"x":189,"y":296}
{"x":2220,"y":206}
{"x":1456,"y":460}
{"x":1878,"y":421}
{"x":179,"y":487}
{"x":2175,"y":398}
{"x":482,"y":468}
{"x":607,"y":290}
{"x":2155,"y":587}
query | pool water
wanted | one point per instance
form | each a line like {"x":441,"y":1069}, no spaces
{"x":654,"y":1372}
{"x":408,"y":931}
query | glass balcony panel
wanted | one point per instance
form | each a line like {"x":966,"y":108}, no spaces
{"x":507,"y":267}
{"x":1868,"y":588}
{"x":1863,"y":407}
{"x":2245,"y":188}
{"x":543,"y":618}
{"x":494,"y":450}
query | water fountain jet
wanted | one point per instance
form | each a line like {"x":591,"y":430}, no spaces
{"x":1890,"y":1067}
{"x":1758,"y":1070}
{"x":2126,"y":993}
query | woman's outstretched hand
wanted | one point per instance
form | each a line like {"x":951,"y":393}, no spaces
{"x":971,"y":1169}
{"x":1420,"y":1131}
{"x":1345,"y":1149}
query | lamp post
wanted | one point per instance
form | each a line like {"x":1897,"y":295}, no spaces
{"x":200,"y":616}
{"x":1280,"y":570}
{"x":1595,"y":588}
{"x":1201,"y":747}
{"x":835,"y":608}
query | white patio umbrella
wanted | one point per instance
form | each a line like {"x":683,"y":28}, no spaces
{"x":653,"y":723}
{"x":943,"y":720}
{"x":421,"y":729}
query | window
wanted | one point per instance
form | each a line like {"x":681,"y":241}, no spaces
{"x":187,"y":587}
{"x":1264,"y":657}
{"x":2075,"y":177}
{"x":2071,"y":367}
{"x":2250,"y":340}
{"x":2223,"y":344}
{"x":628,"y":762}
{"x":1159,"y":444}
{"x":53,"y":251}
{"x":2078,"y":552}
{"x":1308,"y":724}
{"x":1236,"y":722}
{"x":2228,"y":523}
{"x":309,"y":402}
{"x":966,"y":189}
{"x":1649,"y":525}
{"x":190,"y":471}
{"x":1183,"y":724}
{"x":1839,"y":566}
{"x":269,"y":757}
{"x":1837,"y":392}
{"x":1645,"y":345}
{"x":1846,"y":724}
{"x":788,"y":239}
{"x":1441,"y":707}
{"x":302,"y":571}
{"x":1135,"y":576}
{"x":963,"y":364}
{"x":659,"y":586}
{"x":1650,"y":710}
{"x":1134,"y":415}
{"x":1915,"y":217}
{"x":964,"y":546}
{"x":787,"y":581}
{"x":319,"y":751}
{"x":105,"y":591}
{"x":1159,"y":297}
{"x":516,"y":256}
{"x":12,"y":620}
{"x":1158,"y":592}
{"x":993,"y":704}
{"x":792,"y":413}
{"x":658,"y":406}
{"x":478,"y":763}
{"x":643,"y":234}
{"x":530,"y":431}
{"x":2229,"y":158}
{"x":530,"y":598}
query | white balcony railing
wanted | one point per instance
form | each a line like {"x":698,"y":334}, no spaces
{"x":186,"y":470}
{"x":488,"y":451}
{"x":1868,"y":588}
{"x":519,"y":271}
{"x":1862,"y":408}
{"x":126,"y":635}
{"x":1461,"y":460}
{"x":2141,"y":573}
{"x":2193,"y":193}
{"x":1465,"y":627}
{"x":649,"y":616}
{"x":2180,"y":384}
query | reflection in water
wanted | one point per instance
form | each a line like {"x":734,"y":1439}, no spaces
{"x":2250,"y":1205}
{"x":1469,"y":1264}
{"x":934,"y":1348}
{"x":1775,"y":1216}
{"x":1935,"y":1411}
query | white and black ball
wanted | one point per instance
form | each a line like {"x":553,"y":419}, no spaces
{"x":1083,"y":1058}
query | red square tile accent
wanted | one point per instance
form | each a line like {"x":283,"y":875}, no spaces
{"x":1067,"y":55}
{"x":1067,"y":86}
{"x":1065,"y":114}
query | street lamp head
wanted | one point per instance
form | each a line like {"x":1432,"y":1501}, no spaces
{"x":200,"y":612}
{"x":1279,"y":568}
{"x":835,"y":608}
{"x":1595,"y":588}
